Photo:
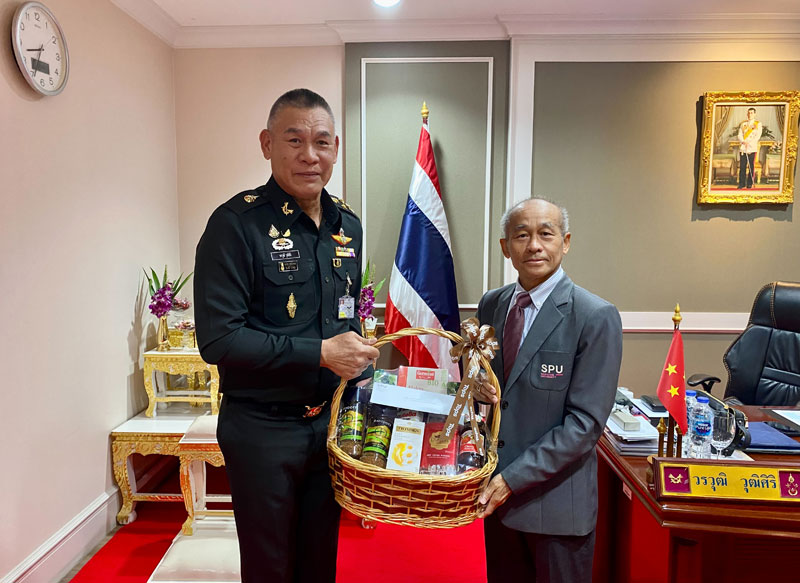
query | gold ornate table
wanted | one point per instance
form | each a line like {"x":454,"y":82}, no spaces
{"x":145,"y":435}
{"x":179,"y":361}
{"x":197,"y":448}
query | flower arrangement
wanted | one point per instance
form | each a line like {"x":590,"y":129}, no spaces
{"x":366,"y":300}
{"x":164,"y":293}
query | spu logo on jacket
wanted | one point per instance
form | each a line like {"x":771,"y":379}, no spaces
{"x":551,"y":371}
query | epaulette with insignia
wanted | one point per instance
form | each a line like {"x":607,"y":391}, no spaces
{"x":342,"y":204}
{"x":246,"y":200}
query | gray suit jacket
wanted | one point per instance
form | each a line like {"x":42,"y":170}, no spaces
{"x":554,"y":407}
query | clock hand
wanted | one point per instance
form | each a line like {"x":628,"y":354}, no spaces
{"x":38,"y":58}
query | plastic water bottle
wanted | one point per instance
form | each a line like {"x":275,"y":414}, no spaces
{"x":691,"y":403}
{"x":701,"y":429}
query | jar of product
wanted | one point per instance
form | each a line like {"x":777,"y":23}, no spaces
{"x":379,"y":432}
{"x":469,"y":457}
{"x":352,"y":421}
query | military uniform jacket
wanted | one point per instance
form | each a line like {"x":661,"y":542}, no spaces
{"x":267,"y":285}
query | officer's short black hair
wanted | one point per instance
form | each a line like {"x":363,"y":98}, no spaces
{"x":753,"y":109}
{"x":301,"y":99}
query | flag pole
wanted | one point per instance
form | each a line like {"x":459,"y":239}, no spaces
{"x":424,"y":111}
{"x":674,"y":428}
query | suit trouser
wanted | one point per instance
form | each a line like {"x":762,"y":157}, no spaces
{"x":513,"y":556}
{"x":747,"y":170}
{"x":287,"y":519}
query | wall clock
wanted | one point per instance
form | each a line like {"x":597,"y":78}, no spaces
{"x":40,"y":48}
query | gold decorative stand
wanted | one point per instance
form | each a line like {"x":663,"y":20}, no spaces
{"x":145,"y":436}
{"x":180,"y":362}
{"x":197,"y":448}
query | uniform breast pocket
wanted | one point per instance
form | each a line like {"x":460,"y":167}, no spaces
{"x":345,"y":279}
{"x":551,"y":370}
{"x":290,"y":292}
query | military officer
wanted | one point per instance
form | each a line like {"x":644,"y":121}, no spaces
{"x":277,"y":278}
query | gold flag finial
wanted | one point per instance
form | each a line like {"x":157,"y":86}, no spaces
{"x":425,"y":111}
{"x":676,"y":317}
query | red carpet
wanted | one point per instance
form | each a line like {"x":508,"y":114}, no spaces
{"x":389,"y":554}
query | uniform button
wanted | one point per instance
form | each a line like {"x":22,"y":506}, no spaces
{"x":327,"y":320}
{"x":291,"y":277}
{"x":504,"y":405}
{"x":501,"y":443}
{"x":327,"y":279}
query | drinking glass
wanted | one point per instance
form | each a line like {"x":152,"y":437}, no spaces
{"x":723,"y":430}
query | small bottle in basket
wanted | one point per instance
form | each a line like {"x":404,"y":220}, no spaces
{"x":379,"y":432}
{"x":469,"y":458}
{"x":352,"y":420}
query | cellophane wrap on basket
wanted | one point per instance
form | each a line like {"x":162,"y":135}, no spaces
{"x":424,"y":501}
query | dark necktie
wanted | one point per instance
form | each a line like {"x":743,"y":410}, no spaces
{"x":512,"y":333}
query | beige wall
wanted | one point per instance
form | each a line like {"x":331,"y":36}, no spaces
{"x":87,"y":198}
{"x":222,"y":101}
{"x":617,"y":143}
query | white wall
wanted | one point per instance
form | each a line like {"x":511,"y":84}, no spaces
{"x":222,"y":100}
{"x":87,"y":198}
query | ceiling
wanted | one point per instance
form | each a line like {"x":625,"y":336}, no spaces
{"x":187,"y":23}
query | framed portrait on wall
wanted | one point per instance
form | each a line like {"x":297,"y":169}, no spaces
{"x":749,"y":147}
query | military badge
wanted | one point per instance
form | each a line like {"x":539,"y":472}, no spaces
{"x":341,"y":238}
{"x":248,"y":198}
{"x":345,"y":252}
{"x":291,"y":306}
{"x":286,"y":210}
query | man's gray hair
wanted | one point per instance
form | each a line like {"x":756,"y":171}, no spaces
{"x":301,"y":99}
{"x":504,"y":222}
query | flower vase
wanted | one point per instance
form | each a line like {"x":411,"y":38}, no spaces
{"x":163,"y":334}
{"x":369,"y":326}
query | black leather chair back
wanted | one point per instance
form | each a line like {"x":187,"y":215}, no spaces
{"x":763,"y":363}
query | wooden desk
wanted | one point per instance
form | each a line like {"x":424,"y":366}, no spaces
{"x":643,"y":540}
{"x":179,"y":361}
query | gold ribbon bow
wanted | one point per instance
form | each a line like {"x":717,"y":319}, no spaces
{"x":478,"y":341}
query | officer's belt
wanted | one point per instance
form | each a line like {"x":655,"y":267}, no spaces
{"x":291,"y":411}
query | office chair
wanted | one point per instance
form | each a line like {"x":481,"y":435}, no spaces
{"x":763,"y":363}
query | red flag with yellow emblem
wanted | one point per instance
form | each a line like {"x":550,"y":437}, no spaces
{"x":671,"y":387}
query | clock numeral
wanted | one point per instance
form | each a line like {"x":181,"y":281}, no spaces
{"x":54,"y":39}
{"x":24,"y":60}
{"x":58,"y":56}
{"x":56,"y":73}
{"x":51,"y":81}
{"x":41,"y":82}
{"x":22,"y":26}
{"x":27,"y":15}
{"x":37,"y":17}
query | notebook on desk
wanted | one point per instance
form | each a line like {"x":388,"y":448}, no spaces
{"x":766,"y":439}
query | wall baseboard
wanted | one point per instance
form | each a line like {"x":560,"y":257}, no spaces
{"x":58,"y":554}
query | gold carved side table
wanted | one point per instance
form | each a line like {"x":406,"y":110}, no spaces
{"x":179,"y":361}
{"x":197,"y":448}
{"x":144,"y":435}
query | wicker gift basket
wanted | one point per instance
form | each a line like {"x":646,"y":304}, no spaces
{"x":423,"y":501}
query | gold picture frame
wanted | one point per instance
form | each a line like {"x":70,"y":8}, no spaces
{"x":749,"y":147}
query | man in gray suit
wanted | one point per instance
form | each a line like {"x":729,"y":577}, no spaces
{"x":561,"y":350}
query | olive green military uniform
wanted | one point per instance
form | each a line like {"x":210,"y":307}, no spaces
{"x":267,"y":290}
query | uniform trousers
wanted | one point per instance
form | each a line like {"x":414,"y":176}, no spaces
{"x":287,"y":519}
{"x":747,"y":170}
{"x":524,"y":557}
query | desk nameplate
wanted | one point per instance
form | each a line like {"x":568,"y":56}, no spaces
{"x":746,"y":481}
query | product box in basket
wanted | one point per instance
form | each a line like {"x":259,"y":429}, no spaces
{"x":427,"y":379}
{"x":405,"y":450}
{"x":438,"y":460}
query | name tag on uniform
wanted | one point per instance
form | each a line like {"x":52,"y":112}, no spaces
{"x":287,"y":266}
{"x":345,"y":252}
{"x":283,"y":255}
{"x":347,"y":307}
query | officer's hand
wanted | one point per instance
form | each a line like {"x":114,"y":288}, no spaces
{"x":493,"y":496}
{"x":486,"y":391}
{"x":348,"y":354}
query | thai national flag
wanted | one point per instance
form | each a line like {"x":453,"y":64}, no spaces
{"x":422,"y":287}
